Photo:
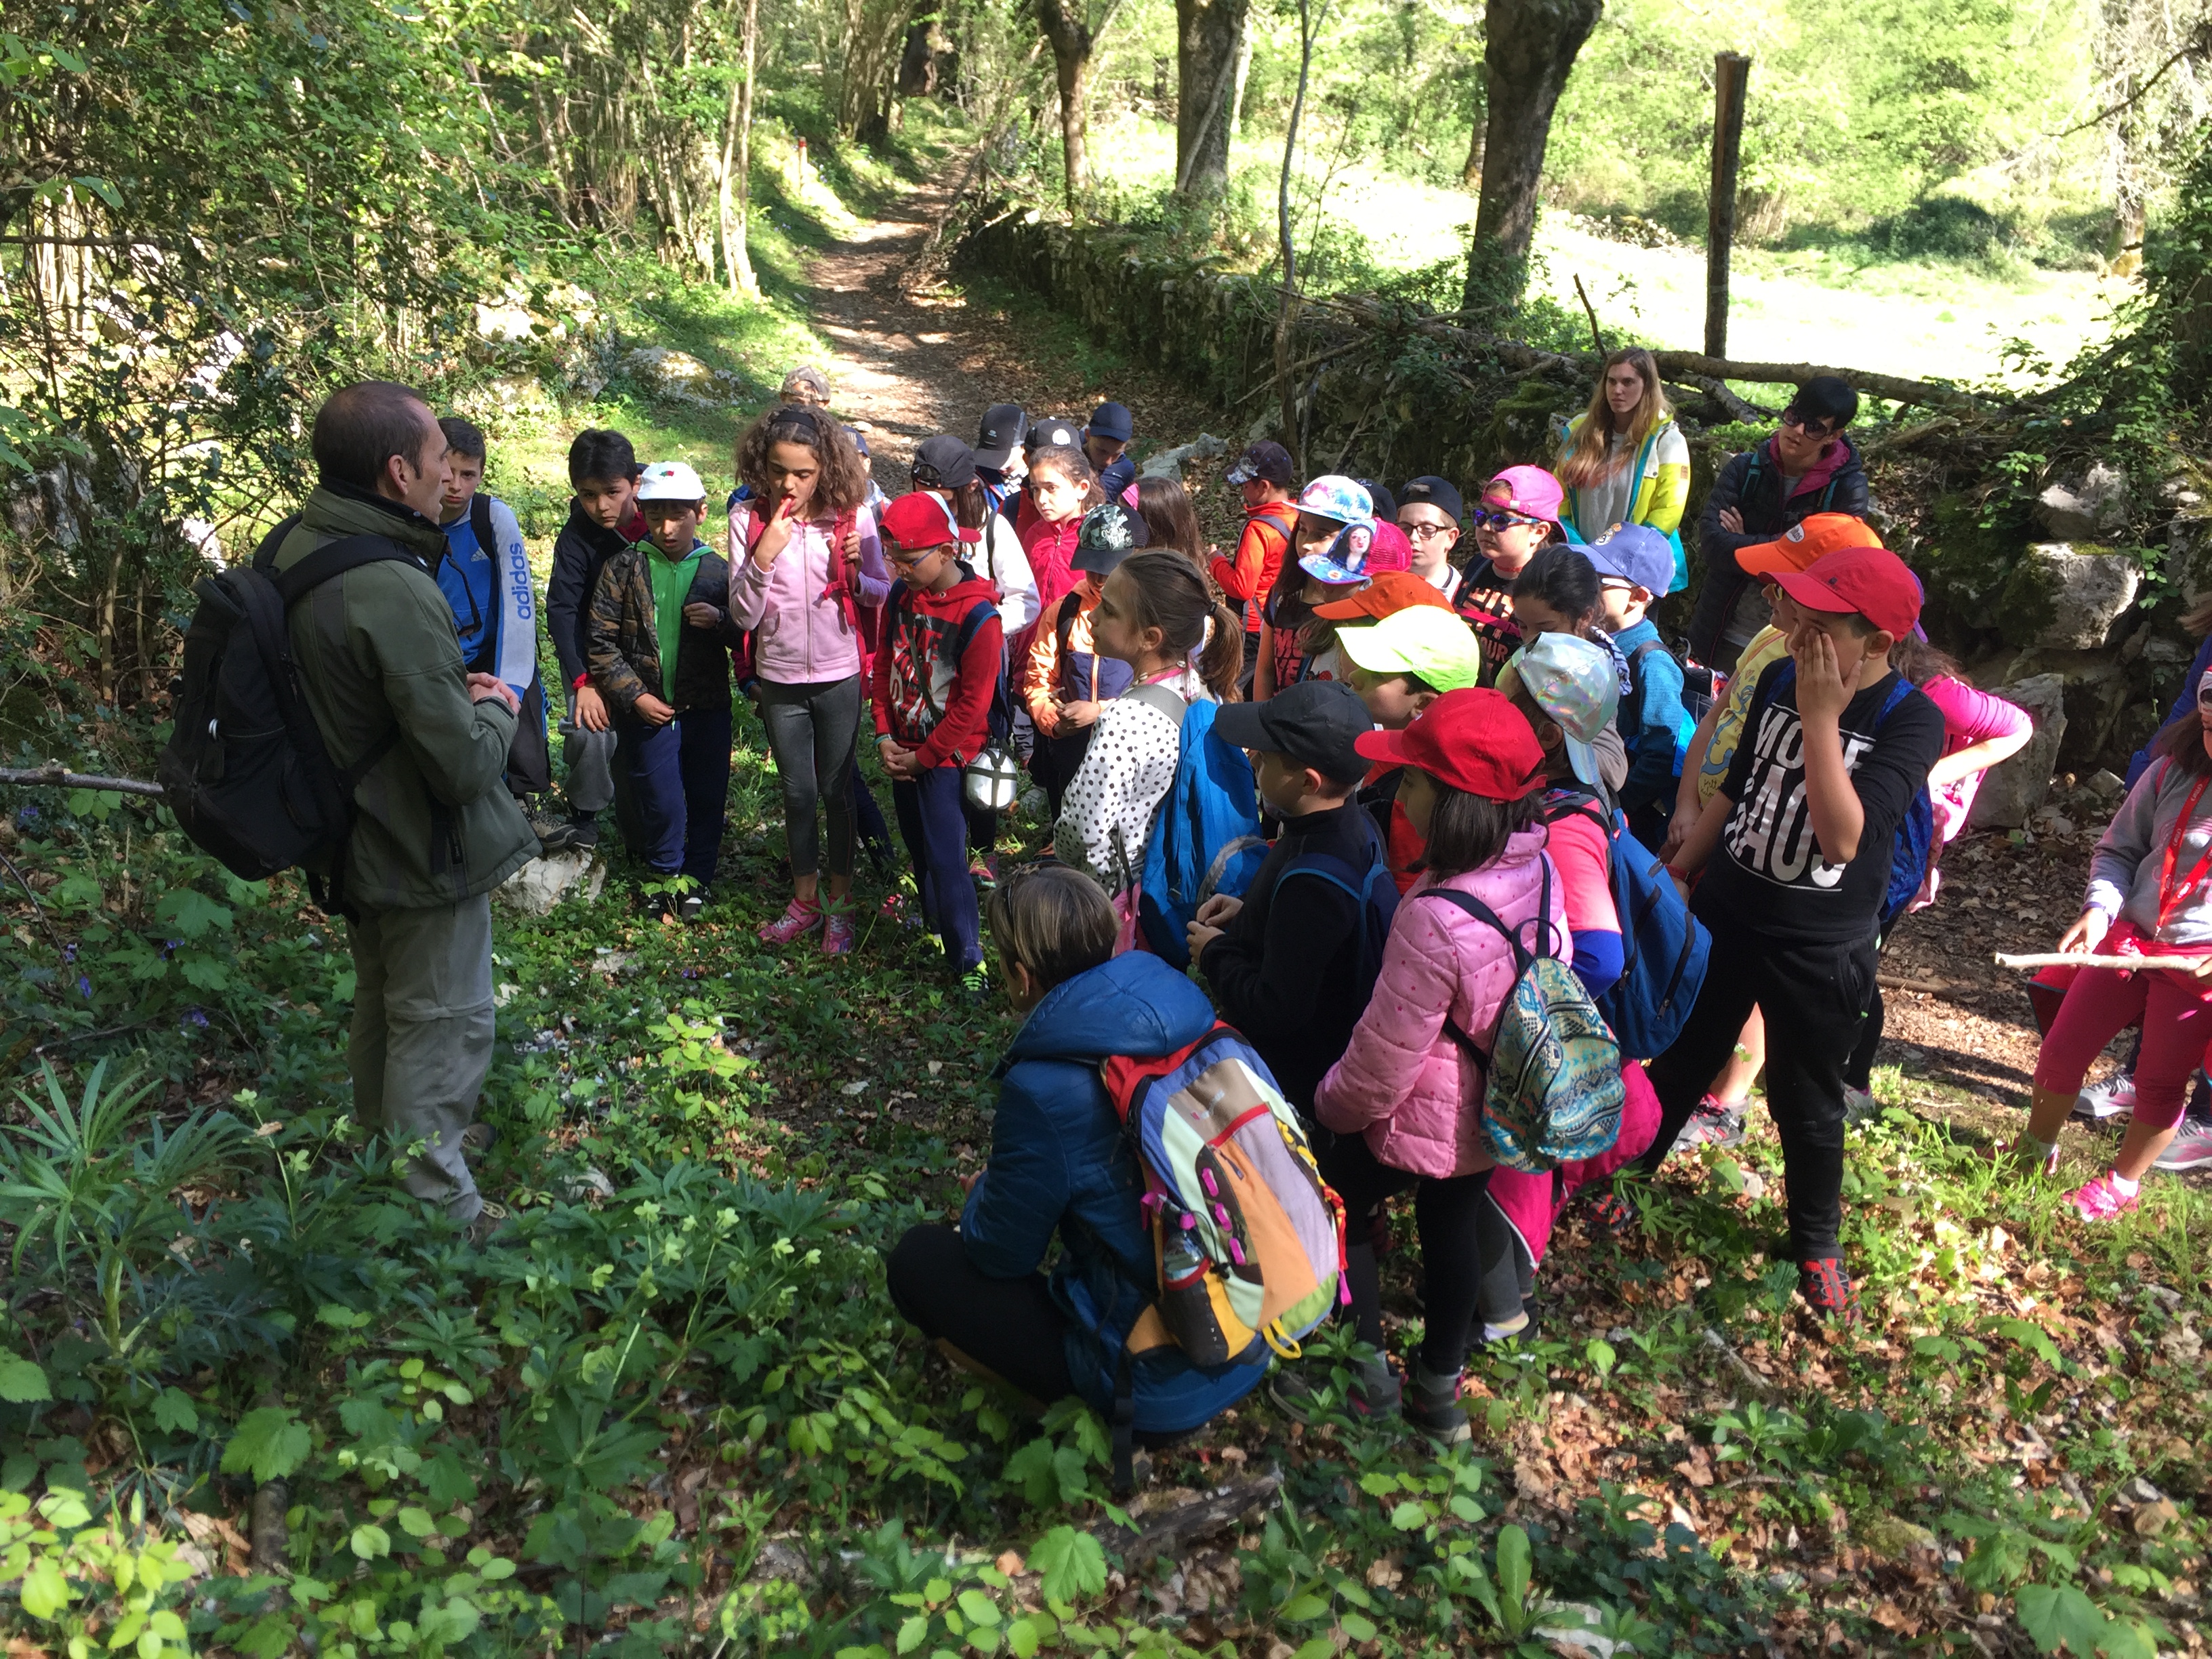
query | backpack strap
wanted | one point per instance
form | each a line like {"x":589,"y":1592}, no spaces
{"x":1153,"y":695}
{"x":333,"y":559}
{"x":480,"y":522}
{"x":264,"y":557}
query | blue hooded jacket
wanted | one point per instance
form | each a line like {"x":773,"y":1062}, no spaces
{"x":1060,"y":1163}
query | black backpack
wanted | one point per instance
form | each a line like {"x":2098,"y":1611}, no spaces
{"x":244,"y":770}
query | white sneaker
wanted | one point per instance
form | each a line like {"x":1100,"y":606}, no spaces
{"x":1859,"y":1106}
{"x":2116,"y":1097}
{"x":2190,"y":1147}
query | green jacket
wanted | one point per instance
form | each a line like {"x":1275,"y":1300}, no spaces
{"x":377,"y":650}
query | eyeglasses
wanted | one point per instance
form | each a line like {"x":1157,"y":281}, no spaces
{"x":1497,"y":521}
{"x":1618,"y":584}
{"x":1811,"y":428}
{"x":1423,"y":531}
{"x":905,"y":561}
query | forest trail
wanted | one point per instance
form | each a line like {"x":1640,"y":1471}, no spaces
{"x":912,"y":364}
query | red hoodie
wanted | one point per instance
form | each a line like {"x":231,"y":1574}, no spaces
{"x":1051,"y":548}
{"x":923,"y":699}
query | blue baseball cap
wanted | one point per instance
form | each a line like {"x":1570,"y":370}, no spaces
{"x":1634,"y":553}
{"x":1112,"y":421}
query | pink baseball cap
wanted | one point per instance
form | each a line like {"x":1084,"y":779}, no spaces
{"x":1529,"y":490}
{"x":1391,"y":551}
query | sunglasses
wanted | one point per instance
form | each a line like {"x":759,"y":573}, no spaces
{"x":1811,"y":428}
{"x":1497,"y":521}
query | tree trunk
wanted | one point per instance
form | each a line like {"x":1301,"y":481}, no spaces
{"x":1286,"y":390}
{"x":1243,"y":75}
{"x":1208,"y":33}
{"x":1528,"y":49}
{"x":737,"y":162}
{"x":1070,"y":36}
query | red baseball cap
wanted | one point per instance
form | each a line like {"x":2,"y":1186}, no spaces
{"x":923,"y":519}
{"x":1475,"y":740}
{"x":1802,"y":544}
{"x":1871,"y":580}
{"x":1392,"y":591}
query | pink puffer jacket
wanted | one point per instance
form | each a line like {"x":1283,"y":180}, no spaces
{"x":1403,"y":1081}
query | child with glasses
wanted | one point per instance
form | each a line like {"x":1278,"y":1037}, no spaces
{"x":1519,"y":513}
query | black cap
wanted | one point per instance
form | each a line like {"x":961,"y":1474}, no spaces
{"x":1438,"y":493}
{"x":1109,"y":534}
{"x":1266,"y":459}
{"x":1112,"y":421}
{"x":1004,"y":426}
{"x":1386,"y":504}
{"x":1052,"y":435}
{"x":1317,"y":723}
{"x":942,"y":463}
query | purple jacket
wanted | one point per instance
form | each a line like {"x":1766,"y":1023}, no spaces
{"x":1403,"y":1081}
{"x":799,"y":638}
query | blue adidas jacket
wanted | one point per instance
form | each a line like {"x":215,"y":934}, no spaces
{"x":1060,"y":1163}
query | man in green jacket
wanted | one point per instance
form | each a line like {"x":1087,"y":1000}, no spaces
{"x":436,"y":829}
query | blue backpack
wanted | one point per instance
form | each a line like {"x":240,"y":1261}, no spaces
{"x":1916,"y":833}
{"x":1205,"y":831}
{"x":1662,"y":946}
{"x":1374,"y":893}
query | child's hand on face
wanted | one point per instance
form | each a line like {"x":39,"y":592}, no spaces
{"x":1823,"y":693}
{"x":700,"y":614}
{"x":782,"y":519}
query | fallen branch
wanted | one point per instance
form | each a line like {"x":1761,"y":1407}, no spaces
{"x":54,"y":777}
{"x":1175,"y":1530}
{"x":1679,"y":365}
{"x":1765,"y":1387}
{"x":2074,"y":959}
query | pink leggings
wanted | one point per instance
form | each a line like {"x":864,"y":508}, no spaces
{"x":2176,"y":1012}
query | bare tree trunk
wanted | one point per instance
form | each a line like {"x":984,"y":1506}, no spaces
{"x":1285,"y":320}
{"x":1243,"y":75}
{"x":1208,"y":37}
{"x":1528,"y":49}
{"x":1071,"y":39}
{"x":738,"y":163}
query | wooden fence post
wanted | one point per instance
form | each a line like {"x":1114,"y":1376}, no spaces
{"x":1731,"y":73}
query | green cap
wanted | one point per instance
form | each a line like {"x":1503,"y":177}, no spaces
{"x":1426,"y":640}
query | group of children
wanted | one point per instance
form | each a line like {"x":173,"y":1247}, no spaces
{"x":1451,"y":758}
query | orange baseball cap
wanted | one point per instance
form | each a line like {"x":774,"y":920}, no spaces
{"x":1387,"y":591}
{"x":1817,"y":537}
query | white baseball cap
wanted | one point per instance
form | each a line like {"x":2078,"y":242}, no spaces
{"x":670,"y":480}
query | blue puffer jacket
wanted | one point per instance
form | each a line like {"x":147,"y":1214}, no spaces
{"x":1060,"y":1163}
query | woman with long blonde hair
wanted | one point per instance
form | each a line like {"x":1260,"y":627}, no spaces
{"x":1625,"y":460}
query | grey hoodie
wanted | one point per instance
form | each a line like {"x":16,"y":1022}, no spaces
{"x":2124,"y":875}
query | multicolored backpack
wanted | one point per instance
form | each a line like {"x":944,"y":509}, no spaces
{"x":1552,"y":1090}
{"x":1248,"y":1239}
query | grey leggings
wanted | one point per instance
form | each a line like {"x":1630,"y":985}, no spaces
{"x":811,"y":730}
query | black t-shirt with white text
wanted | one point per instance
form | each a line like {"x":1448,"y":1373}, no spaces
{"x":1768,"y":873}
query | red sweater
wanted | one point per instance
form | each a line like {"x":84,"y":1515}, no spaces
{"x":928,"y":702}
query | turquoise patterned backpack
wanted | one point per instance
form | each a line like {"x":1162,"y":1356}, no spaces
{"x":1551,"y":1090}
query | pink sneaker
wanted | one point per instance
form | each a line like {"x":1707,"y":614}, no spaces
{"x":838,"y":936}
{"x":799,"y":919}
{"x":2100,"y":1200}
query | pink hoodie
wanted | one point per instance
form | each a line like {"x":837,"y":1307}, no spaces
{"x":799,"y":637}
{"x":1403,"y":1081}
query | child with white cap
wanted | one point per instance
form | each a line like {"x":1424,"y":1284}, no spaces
{"x":658,"y":649}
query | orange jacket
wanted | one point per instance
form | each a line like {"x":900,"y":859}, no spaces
{"x":1250,"y":577}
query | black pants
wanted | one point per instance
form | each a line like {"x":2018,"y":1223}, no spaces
{"x":1858,"y":1070}
{"x":1251,"y":668}
{"x":1446,"y":1216}
{"x":1814,"y":998}
{"x":1010,"y":1327}
{"x":1508,"y":1273}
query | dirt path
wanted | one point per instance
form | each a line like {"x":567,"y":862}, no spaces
{"x":910,"y":365}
